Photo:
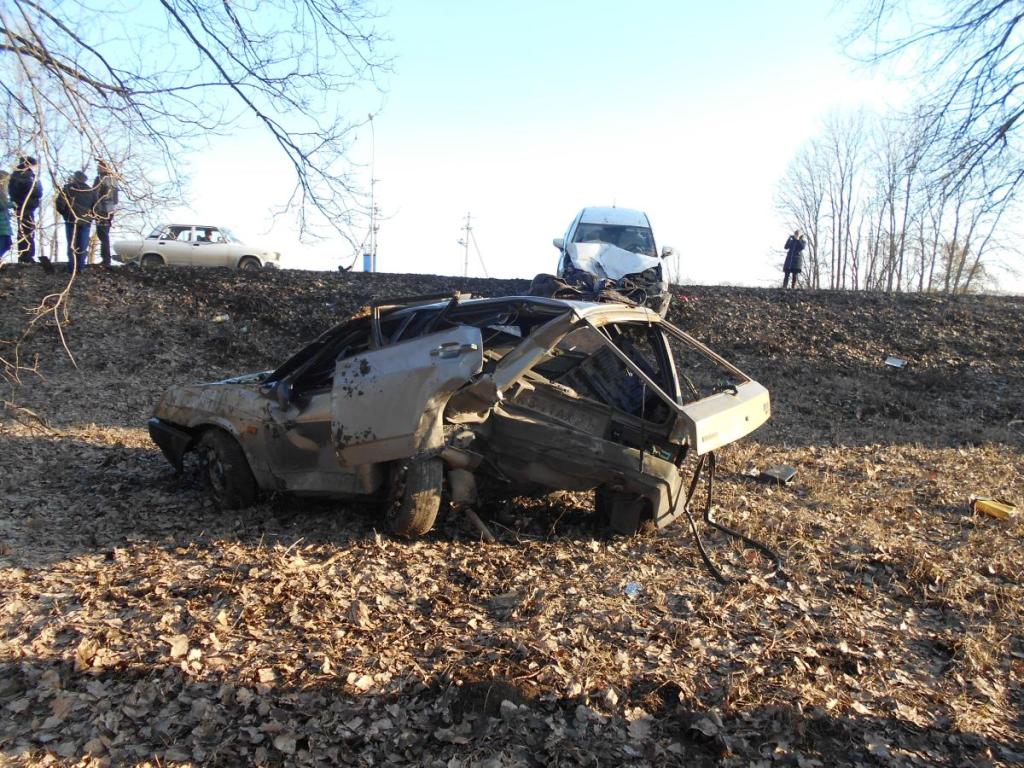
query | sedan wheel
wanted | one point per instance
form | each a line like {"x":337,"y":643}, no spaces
{"x":225,"y":470}
{"x":249,"y":263}
{"x":415,"y":497}
{"x":152,"y":260}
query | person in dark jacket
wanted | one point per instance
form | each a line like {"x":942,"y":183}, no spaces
{"x":25,"y":192}
{"x":794,"y":263}
{"x":106,"y":202}
{"x":75,"y":203}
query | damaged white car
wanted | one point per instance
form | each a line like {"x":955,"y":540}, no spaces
{"x":412,"y":397}
{"x":614,"y":249}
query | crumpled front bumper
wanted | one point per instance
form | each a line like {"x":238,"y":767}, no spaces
{"x":173,"y":441}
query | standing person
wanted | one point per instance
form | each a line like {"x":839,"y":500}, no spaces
{"x":106,"y":202}
{"x":794,"y":263}
{"x":5,"y":219}
{"x":75,"y":203}
{"x":26,"y":191}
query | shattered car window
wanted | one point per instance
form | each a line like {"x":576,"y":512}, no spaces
{"x":644,"y":345}
{"x":585,"y":364}
{"x":312,"y":367}
{"x":699,"y":375}
{"x":503,"y":326}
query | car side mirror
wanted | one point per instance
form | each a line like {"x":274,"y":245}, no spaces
{"x":559,"y":243}
{"x":667,"y":251}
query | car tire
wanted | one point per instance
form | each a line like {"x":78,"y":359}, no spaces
{"x":249,"y":263}
{"x":150,"y":260}
{"x":225,"y":470}
{"x":416,"y":498}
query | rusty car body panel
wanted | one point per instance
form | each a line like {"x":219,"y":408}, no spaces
{"x":532,"y":393}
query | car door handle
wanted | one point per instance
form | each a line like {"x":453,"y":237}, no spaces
{"x":452,"y":349}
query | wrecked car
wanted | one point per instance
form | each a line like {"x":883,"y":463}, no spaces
{"x":613,"y":249}
{"x":411,"y":398}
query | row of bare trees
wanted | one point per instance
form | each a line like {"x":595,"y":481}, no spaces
{"x":922,"y":201}
{"x":880,"y":213}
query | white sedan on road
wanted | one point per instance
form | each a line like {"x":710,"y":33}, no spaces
{"x":194,"y":245}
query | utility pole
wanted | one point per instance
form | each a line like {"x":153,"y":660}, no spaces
{"x":465,"y":243}
{"x":374,"y":226}
{"x":373,"y":204}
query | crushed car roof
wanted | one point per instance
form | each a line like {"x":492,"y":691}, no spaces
{"x":581,"y":308}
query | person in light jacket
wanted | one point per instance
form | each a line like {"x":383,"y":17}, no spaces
{"x":105,"y":184}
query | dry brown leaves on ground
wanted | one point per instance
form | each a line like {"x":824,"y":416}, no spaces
{"x":141,"y":626}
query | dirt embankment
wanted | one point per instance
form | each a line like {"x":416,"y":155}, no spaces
{"x":139,"y":625}
{"x":821,"y":354}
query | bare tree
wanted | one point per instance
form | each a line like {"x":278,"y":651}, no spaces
{"x":801,"y":199}
{"x":970,"y":55}
{"x":136,"y":79}
{"x":872,"y":196}
{"x":844,"y":139}
{"x":138,"y":84}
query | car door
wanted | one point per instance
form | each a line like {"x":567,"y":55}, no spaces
{"x":175,"y":246}
{"x":386,"y":402}
{"x":210,"y":248}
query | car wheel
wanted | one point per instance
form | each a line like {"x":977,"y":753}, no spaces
{"x":152,"y":260}
{"x":627,"y":514}
{"x":416,"y":497}
{"x":225,"y":470}
{"x":249,"y":263}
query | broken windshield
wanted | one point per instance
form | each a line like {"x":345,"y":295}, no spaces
{"x":632,"y":239}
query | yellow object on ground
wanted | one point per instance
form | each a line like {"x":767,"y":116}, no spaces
{"x":993,"y":508}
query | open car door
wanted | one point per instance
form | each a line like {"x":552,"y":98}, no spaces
{"x":386,"y":403}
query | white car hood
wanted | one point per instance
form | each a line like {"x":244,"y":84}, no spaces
{"x":605,"y":260}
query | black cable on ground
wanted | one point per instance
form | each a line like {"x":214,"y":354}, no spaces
{"x":762,"y":548}
{"x":712,"y":568}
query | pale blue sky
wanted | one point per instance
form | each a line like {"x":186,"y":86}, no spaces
{"x":524,"y":113}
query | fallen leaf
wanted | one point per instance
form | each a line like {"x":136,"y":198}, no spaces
{"x":285,"y":742}
{"x":179,"y":645}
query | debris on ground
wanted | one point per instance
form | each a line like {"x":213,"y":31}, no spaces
{"x":779,"y":473}
{"x":895,"y":362}
{"x":1000,"y":510}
